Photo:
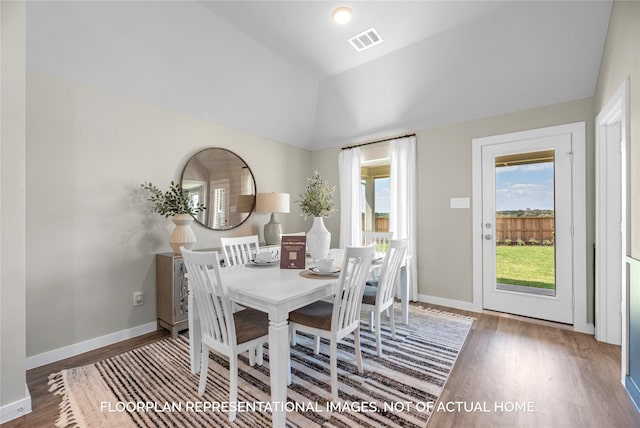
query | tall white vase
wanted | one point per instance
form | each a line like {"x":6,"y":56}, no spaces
{"x":318,"y":239}
{"x":182,"y":235}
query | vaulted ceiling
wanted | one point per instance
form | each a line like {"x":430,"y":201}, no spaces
{"x":285,"y":71}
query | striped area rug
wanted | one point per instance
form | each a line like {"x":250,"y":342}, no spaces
{"x":153,"y":386}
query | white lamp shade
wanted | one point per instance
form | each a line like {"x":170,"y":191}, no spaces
{"x":272,"y":203}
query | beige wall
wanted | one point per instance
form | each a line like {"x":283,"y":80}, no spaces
{"x":90,"y":239}
{"x":326,"y":163}
{"x":620,"y":61}
{"x":13,"y":394}
{"x":444,"y":159}
{"x":444,"y":172}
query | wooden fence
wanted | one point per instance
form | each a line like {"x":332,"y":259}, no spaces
{"x":525,"y":228}
{"x":381,"y":224}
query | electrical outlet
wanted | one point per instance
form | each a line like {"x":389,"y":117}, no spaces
{"x":138,"y":298}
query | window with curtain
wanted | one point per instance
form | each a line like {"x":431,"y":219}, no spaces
{"x":375,"y":176}
{"x":361,"y":197}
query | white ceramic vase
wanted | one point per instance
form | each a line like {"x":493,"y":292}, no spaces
{"x":318,"y":239}
{"x":182,"y":235}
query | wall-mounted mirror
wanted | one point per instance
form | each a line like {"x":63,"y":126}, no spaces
{"x":222,"y":181}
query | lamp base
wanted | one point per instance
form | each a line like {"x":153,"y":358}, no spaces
{"x":272,"y":231}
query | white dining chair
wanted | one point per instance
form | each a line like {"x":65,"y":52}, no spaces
{"x":239,"y":250}
{"x":379,"y":239}
{"x":223,"y":331}
{"x":335,"y":320}
{"x":381,"y":298}
{"x":381,"y":242}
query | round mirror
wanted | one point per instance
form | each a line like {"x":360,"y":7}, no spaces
{"x":223,"y":182}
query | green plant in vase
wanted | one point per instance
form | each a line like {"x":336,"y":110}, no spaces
{"x":317,"y":202}
{"x":175,"y":203}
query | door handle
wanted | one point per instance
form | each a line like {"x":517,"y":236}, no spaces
{"x":488,"y":237}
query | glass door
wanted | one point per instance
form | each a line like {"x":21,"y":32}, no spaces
{"x":527,"y":230}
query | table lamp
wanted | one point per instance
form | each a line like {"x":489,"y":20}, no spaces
{"x":272,"y":203}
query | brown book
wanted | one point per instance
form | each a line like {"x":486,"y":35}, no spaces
{"x":293,"y":252}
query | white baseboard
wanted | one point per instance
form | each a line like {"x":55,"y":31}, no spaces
{"x":17,"y":408}
{"x":451,"y":303}
{"x":88,"y":345}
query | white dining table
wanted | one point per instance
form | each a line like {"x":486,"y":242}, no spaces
{"x":277,"y":292}
{"x":274,"y":291}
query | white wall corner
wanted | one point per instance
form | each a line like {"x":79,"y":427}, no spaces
{"x":88,"y":345}
{"x":16,"y":409}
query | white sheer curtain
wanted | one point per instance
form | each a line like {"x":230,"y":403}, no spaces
{"x":403,"y":203}
{"x":350,"y":210}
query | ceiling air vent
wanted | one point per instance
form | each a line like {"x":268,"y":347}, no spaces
{"x":365,"y":40}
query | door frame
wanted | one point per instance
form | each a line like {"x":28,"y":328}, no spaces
{"x":615,"y":110}
{"x":577,"y":131}
{"x":611,"y":268}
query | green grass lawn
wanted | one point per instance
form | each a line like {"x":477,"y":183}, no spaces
{"x":531,"y":266}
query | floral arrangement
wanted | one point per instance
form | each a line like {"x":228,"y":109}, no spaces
{"x":173,"y":201}
{"x":317,"y":201}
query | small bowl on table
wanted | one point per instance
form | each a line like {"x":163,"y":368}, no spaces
{"x":265,"y":257}
{"x":325,"y":265}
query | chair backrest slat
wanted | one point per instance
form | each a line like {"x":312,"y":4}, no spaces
{"x":239,"y":250}
{"x":390,"y":270}
{"x":348,"y":298}
{"x":210,"y":295}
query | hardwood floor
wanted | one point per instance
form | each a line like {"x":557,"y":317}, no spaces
{"x":534,"y":375}
{"x":44,"y":404}
{"x":510,"y":373}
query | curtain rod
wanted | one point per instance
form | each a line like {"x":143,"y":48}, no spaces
{"x":378,"y":141}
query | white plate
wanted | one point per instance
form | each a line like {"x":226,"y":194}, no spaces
{"x":269,"y":263}
{"x":314,"y":270}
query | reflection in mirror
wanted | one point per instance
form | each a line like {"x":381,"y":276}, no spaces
{"x":222,"y":181}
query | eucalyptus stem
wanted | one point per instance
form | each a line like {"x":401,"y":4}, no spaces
{"x":172,"y":202}
{"x":317,"y":201}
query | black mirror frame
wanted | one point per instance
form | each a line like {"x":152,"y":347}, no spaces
{"x":253,"y":178}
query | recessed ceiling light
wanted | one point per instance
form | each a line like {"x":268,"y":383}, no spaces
{"x":341,"y":15}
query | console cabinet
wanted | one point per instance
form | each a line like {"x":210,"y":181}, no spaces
{"x":171,"y":293}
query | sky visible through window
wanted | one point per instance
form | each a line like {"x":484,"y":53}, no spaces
{"x":382,"y":195}
{"x":525,"y":187}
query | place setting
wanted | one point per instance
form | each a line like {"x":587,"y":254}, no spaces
{"x":323,"y":268}
{"x":264,"y":259}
